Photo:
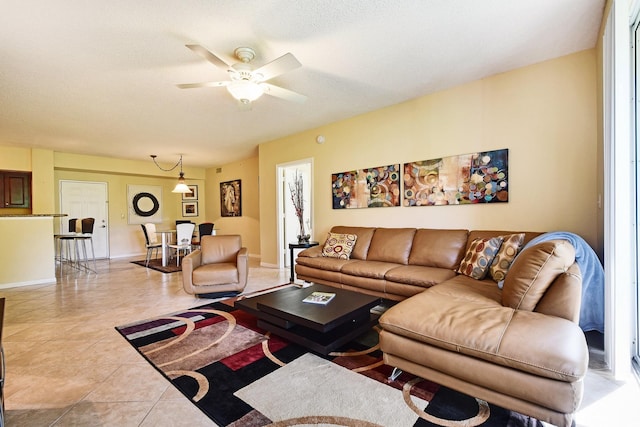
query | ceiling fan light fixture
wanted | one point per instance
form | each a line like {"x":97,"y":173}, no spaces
{"x":245,"y":83}
{"x":245,"y":91}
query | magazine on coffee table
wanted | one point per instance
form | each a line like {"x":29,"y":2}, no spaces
{"x":322,"y":298}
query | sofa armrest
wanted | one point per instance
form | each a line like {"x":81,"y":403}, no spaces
{"x":190,"y":263}
{"x":313,"y":252}
{"x":564,"y":297}
{"x":242,"y":263}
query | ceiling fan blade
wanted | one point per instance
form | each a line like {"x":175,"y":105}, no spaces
{"x":280,"y":92}
{"x":286,"y":62}
{"x":209,"y":56}
{"x":205,"y":84}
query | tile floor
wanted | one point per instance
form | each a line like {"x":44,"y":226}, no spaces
{"x":67,"y":366}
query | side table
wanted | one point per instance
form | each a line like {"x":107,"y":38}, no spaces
{"x":293,"y":246}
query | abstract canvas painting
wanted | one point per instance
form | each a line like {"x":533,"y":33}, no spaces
{"x":366,"y":188}
{"x":465,"y":179}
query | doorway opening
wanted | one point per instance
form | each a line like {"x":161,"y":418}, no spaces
{"x":288,"y":224}
{"x":84,"y":199}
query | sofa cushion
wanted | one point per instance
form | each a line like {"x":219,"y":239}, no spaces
{"x":372,"y":269}
{"x":456,"y":369}
{"x":479,"y":256}
{"x":366,"y":285}
{"x":418,"y":275}
{"x":323,"y":263}
{"x":510,"y":247}
{"x":391,"y":245}
{"x":464,"y":288}
{"x":464,"y":321}
{"x":365,"y":234}
{"x":339,"y":245}
{"x":216,"y":249}
{"x":326,"y":277}
{"x":215,"y":274}
{"x":438,"y":248}
{"x":533,"y":271}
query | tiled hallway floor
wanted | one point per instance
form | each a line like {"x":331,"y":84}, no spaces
{"x":67,"y":366}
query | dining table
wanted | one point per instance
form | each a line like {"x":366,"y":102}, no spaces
{"x":166,"y":237}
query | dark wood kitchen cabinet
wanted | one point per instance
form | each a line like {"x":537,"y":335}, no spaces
{"x":15,"y":189}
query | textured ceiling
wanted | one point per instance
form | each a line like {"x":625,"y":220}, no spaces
{"x":99,"y":77}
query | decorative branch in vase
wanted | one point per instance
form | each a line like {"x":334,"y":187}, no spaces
{"x":297,"y":197}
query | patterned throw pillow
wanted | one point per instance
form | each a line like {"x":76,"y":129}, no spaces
{"x":339,"y":245}
{"x":479,"y":256}
{"x":511,"y":245}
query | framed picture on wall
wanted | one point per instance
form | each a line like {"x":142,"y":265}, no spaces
{"x":189,"y":208}
{"x":231,"y":198}
{"x":144,"y":203}
{"x":193,"y":195}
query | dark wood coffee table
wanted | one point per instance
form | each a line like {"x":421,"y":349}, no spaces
{"x":320,"y":328}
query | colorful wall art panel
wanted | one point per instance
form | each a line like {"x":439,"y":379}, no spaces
{"x":457,"y":180}
{"x":366,"y":188}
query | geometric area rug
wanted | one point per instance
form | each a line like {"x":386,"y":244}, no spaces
{"x":240,"y":375}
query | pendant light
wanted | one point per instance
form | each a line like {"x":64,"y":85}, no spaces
{"x":181,"y":187}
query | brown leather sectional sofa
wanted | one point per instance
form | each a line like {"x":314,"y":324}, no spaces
{"x":519,"y":347}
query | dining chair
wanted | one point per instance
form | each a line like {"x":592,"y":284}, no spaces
{"x":151,"y":241}
{"x":184,"y":234}
{"x":204,"y":229}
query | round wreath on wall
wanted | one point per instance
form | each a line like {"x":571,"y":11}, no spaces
{"x":141,"y":204}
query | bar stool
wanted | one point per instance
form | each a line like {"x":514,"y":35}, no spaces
{"x":86,"y":234}
{"x":64,"y":244}
{"x":70,"y":243}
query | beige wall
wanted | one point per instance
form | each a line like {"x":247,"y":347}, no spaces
{"x":40,"y":163}
{"x":127,"y":239}
{"x":16,"y":159}
{"x":43,"y":198}
{"x":49,"y":167}
{"x":544,"y":114}
{"x":248,"y":225}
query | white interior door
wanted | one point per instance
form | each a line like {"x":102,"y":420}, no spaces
{"x":288,"y":225}
{"x":82,"y":199}
{"x":636,"y":134}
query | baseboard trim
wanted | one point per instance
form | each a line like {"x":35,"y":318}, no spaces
{"x":268,"y":265}
{"x":47,"y":281}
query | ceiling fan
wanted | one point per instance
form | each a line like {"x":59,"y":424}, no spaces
{"x":247,"y":85}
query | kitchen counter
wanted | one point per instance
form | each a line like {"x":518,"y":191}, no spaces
{"x":28,"y":253}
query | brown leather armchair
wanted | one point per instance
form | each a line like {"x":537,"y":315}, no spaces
{"x":220,"y":267}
